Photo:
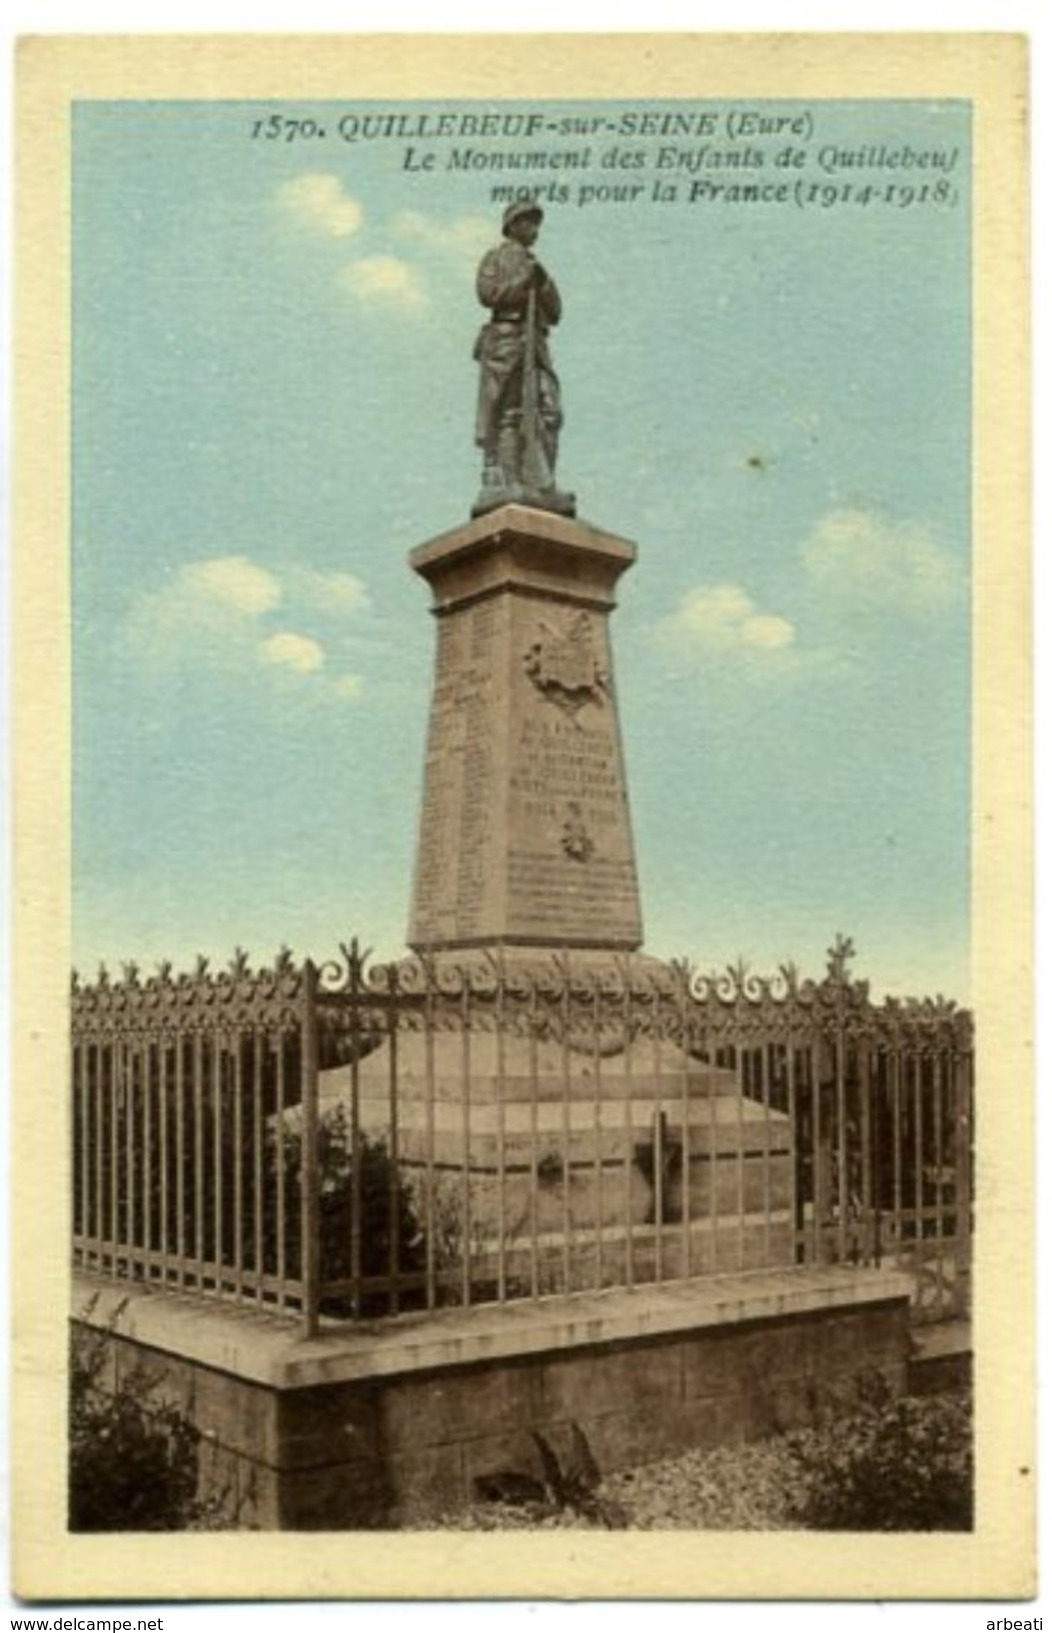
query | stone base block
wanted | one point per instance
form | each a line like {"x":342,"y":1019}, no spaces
{"x":389,"y":1423}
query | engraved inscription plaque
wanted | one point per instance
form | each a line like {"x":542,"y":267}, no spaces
{"x":457,"y":867}
{"x":571,"y":867}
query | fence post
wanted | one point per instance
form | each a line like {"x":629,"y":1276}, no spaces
{"x":310,"y":1244}
{"x":962,"y":1111}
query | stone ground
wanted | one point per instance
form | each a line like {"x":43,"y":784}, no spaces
{"x":734,"y":1488}
{"x":748,"y":1487}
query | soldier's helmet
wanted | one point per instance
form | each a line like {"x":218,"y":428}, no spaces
{"x":522,"y":209}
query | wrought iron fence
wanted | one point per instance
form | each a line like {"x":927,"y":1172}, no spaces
{"x":347,"y":1142}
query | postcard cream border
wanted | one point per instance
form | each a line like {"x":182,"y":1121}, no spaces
{"x":991,"y":72}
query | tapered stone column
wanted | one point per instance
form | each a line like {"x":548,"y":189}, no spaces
{"x":525,"y":838}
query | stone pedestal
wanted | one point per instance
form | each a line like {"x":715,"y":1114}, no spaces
{"x":525,"y":837}
{"x":613,"y":1160}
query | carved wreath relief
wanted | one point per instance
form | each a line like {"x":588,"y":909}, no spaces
{"x":563,"y":664}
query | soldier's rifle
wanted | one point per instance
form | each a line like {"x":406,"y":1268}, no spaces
{"x":534,"y":464}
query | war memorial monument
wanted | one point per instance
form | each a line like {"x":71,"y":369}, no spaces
{"x":525,"y":859}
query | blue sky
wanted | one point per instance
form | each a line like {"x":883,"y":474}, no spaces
{"x":273,"y":403}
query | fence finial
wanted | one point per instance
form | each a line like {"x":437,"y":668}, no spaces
{"x":356,"y":958}
{"x":838,"y":956}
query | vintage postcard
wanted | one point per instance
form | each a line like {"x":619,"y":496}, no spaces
{"x":523,"y":818}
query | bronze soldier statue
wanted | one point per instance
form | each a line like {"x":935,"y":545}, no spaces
{"x":519,"y":402}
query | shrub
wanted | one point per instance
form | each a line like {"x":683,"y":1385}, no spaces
{"x":133,"y":1459}
{"x":893,"y":1465}
{"x":388,"y":1229}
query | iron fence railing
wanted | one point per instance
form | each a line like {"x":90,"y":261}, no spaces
{"x":341,"y":1141}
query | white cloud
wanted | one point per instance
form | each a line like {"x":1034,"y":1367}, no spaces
{"x":385,"y":280}
{"x":300,"y":653}
{"x":468,"y":236}
{"x":319,"y":201}
{"x":231,"y":581}
{"x":331,"y":592}
{"x":206,"y":615}
{"x":218,"y":616}
{"x":723,"y":618}
{"x":767,"y":629}
{"x":860,"y":559}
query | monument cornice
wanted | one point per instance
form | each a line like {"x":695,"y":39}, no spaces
{"x":527,"y":550}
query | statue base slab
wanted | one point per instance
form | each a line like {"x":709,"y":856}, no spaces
{"x":553,"y":499}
